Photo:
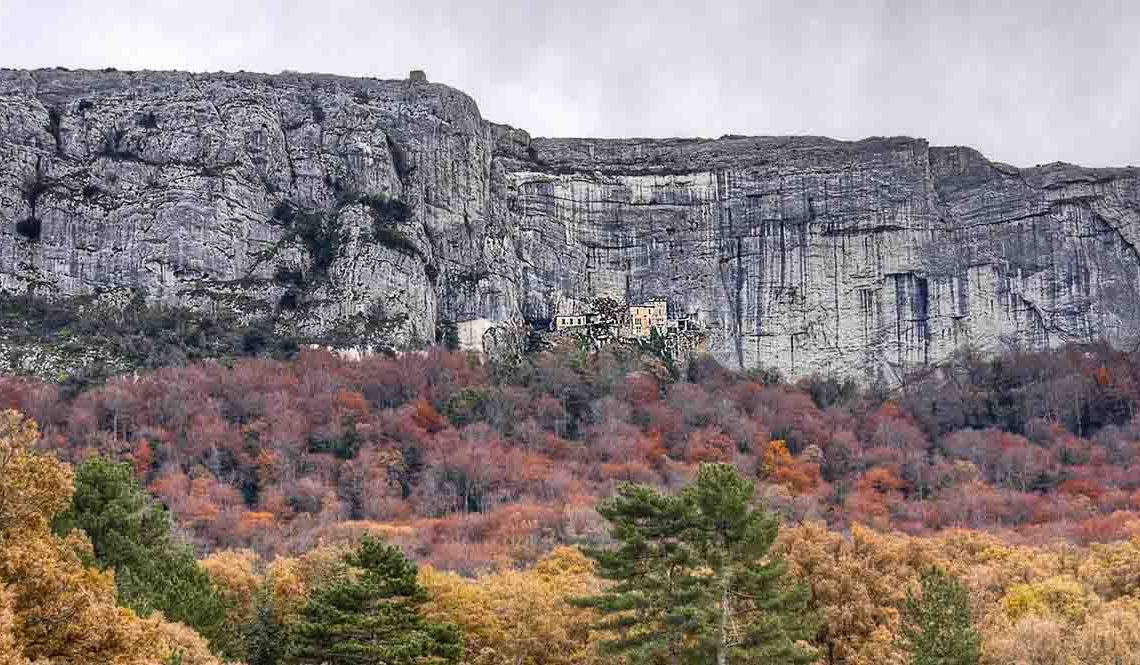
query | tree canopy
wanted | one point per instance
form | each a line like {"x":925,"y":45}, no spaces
{"x":694,"y":579}
{"x":372,"y":616}
{"x":936,"y":626}
{"x":132,"y":535}
{"x":55,"y":609}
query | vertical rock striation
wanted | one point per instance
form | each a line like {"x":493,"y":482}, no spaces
{"x":810,"y":254}
{"x":320,"y":199}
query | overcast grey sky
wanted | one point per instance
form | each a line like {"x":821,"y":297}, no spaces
{"x":1025,"y":82}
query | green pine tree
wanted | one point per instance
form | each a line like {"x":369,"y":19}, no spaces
{"x":693,"y":580}
{"x":936,"y":628}
{"x":372,"y":618}
{"x":751,"y":612}
{"x":131,"y":534}
{"x":652,"y":604}
{"x":266,"y":637}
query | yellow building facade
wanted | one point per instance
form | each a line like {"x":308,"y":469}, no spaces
{"x":639,"y":321}
{"x":643,"y":318}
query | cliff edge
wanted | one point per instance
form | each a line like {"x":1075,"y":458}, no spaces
{"x":384,"y":207}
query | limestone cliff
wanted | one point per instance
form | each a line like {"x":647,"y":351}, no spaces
{"x":318,"y":200}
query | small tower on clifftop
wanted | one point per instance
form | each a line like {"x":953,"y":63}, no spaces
{"x":417,"y":76}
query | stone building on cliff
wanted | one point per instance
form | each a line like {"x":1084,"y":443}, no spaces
{"x":682,"y":335}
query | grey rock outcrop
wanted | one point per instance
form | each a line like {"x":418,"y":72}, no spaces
{"x":318,"y":199}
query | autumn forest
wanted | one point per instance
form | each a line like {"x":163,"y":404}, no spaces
{"x":572,"y":506}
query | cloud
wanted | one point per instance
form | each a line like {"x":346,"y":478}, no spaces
{"x":1025,"y":82}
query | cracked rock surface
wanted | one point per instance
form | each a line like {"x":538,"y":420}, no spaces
{"x":317,"y":198}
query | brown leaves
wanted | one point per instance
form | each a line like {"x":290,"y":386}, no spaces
{"x":1059,"y":605}
{"x":53,"y":609}
{"x":780,"y":468}
{"x":10,"y":653}
{"x":234,"y":575}
{"x":857,"y":584}
{"x":34,"y":487}
{"x":520,"y":617}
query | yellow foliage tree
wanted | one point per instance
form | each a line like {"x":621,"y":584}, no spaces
{"x":234,"y":575}
{"x":34,"y":487}
{"x":520,"y":617}
{"x":290,"y":580}
{"x":858,"y":585}
{"x":1035,"y":639}
{"x":190,"y":647}
{"x":9,"y":651}
{"x":1113,"y":569}
{"x":988,"y":567}
{"x":1110,"y":636}
{"x":54,"y":610}
{"x":1062,"y":597}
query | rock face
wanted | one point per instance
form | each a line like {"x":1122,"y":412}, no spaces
{"x":318,"y":200}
